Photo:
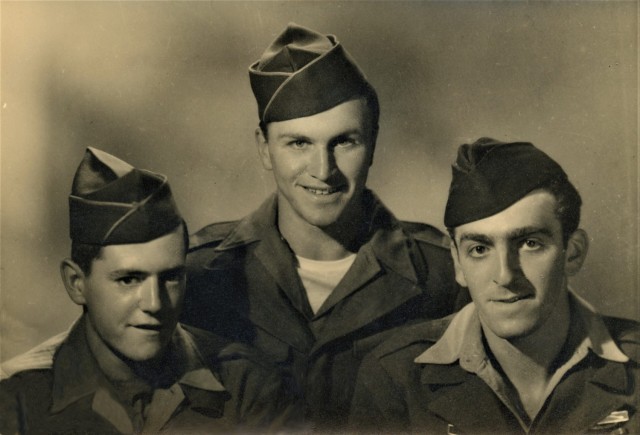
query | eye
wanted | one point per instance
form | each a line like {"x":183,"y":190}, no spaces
{"x":175,"y":277}
{"x":345,"y":142}
{"x":478,"y":251}
{"x":532,"y":245}
{"x":129,"y":280}
{"x":298,"y":143}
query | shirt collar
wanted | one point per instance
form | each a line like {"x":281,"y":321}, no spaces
{"x":389,"y":246}
{"x":76,"y":373}
{"x":462,"y":340}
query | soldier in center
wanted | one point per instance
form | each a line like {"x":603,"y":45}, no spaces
{"x":321,"y":272}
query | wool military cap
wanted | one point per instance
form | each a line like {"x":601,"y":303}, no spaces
{"x":489,"y":176}
{"x":303,"y":73}
{"x":112,"y":202}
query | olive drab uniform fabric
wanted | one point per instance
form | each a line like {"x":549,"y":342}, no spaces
{"x":397,"y":391}
{"x":243,"y":284}
{"x":212,"y":386}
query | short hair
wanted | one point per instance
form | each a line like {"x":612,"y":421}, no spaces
{"x":83,"y":254}
{"x":373,"y":106}
{"x":568,"y":204}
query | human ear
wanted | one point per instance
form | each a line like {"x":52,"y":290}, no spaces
{"x":460,"y":279}
{"x":263,"y":149}
{"x":576,"y":252}
{"x":74,"y":280}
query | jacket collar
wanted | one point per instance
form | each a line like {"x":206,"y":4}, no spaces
{"x":76,"y":373}
{"x":252,"y":227}
{"x":462,"y":340}
{"x":594,"y":391}
{"x":390,"y":247}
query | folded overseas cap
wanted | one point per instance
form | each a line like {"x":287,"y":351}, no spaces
{"x":112,"y":202}
{"x":489,"y":176}
{"x":303,"y":73}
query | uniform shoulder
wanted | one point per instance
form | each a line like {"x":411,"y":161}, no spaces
{"x":626,"y":333}
{"x":37,"y":358}
{"x":426,"y":233}
{"x":27,"y":380}
{"x":422,"y":334}
{"x":211,"y":235}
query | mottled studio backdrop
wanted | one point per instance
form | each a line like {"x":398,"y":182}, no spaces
{"x":165,"y":86}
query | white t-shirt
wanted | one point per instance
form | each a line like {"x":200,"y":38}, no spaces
{"x":321,"y":277}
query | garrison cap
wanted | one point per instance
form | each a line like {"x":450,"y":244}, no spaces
{"x":112,"y":202}
{"x":303,"y":73}
{"x":489,"y":176}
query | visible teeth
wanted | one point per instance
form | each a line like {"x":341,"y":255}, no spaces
{"x":322,"y":191}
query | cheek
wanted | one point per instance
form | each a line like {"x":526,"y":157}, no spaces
{"x":176,"y":296}
{"x":354,"y":164}
{"x":477,"y":275}
{"x":545,"y":273}
{"x":285,"y":163}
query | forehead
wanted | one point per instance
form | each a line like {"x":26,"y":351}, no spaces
{"x":535,"y":210}
{"x":165,"y":252}
{"x":349,"y":116}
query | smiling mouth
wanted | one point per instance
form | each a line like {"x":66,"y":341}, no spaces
{"x":321,"y":192}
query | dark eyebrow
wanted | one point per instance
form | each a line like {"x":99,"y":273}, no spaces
{"x":476,"y":237}
{"x":293,"y":136}
{"x":529,"y":231}
{"x":135,"y":272}
{"x":516,"y":234}
{"x":334,"y":138}
{"x":127,"y":272}
{"x":350,"y":132}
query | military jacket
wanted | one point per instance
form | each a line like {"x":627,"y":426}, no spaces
{"x":243,"y":284}
{"x":216,"y":387}
{"x":407,"y":385}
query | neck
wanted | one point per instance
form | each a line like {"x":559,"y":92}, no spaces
{"x":333,"y":242}
{"x":528,"y":361}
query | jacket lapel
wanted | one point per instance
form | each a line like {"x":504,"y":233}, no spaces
{"x":383,"y":293}
{"x":381,"y":279}
{"x":589,"y":393}
{"x":275,"y":297}
{"x":273,"y":303}
{"x":278,"y":260}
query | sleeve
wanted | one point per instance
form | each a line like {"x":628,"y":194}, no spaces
{"x":378,"y":403}
{"x":9,"y":409}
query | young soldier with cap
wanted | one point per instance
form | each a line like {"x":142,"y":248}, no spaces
{"x":127,"y":366}
{"x":322,"y":271}
{"x":527,"y":355}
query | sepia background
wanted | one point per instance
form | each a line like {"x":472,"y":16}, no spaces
{"x":165,"y":87}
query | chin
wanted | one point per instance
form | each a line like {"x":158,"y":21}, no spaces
{"x":513,"y":331}
{"x":323,"y":220}
{"x":144,"y":352}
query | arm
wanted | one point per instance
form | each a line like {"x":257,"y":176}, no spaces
{"x":378,"y":403}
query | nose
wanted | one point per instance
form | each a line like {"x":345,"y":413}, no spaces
{"x":322,"y":163}
{"x":150,"y":299}
{"x":508,"y":267}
